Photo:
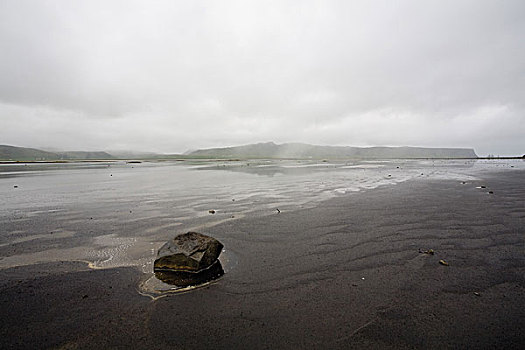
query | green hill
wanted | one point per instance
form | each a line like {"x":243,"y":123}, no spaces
{"x":33,"y":154}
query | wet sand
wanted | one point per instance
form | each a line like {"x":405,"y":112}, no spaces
{"x":346,"y":274}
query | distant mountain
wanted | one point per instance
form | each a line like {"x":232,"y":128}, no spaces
{"x":305,"y":151}
{"x":259,"y":150}
{"x":85,"y":155}
{"x":32,"y":154}
{"x":133,"y":155}
{"x":21,"y":153}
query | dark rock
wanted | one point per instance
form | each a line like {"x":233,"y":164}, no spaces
{"x":190,"y":252}
{"x":211,"y":211}
{"x":185,"y":278}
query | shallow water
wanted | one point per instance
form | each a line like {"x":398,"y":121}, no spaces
{"x":117,"y":214}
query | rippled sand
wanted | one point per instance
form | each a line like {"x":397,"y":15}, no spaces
{"x":346,"y":272}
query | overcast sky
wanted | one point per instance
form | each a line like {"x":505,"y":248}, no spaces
{"x":167,"y":76}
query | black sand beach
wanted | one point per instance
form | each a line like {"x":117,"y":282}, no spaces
{"x":346,"y":274}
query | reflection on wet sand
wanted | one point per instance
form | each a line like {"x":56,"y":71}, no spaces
{"x":186,"y":278}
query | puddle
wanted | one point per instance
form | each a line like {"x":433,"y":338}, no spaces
{"x":161,"y":283}
{"x":183,"y":279}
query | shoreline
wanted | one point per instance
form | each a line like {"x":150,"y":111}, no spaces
{"x":139,"y":160}
{"x":345,"y":274}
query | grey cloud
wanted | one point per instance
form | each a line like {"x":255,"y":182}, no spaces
{"x":354,"y":73}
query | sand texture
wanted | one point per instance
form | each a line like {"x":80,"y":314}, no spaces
{"x":349,"y":273}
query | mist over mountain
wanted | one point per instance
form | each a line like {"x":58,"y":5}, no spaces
{"x":301,"y":150}
{"x":258,"y":150}
{"x":33,"y":154}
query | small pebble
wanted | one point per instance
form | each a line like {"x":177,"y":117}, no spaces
{"x":443,"y":262}
{"x":477,"y":294}
{"x":211,"y":211}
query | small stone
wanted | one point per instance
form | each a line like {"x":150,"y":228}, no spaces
{"x":477,"y":294}
{"x":430,"y":252}
{"x":443,"y":262}
{"x":491,"y":192}
{"x":211,"y":211}
{"x":15,"y":186}
{"x":482,"y":186}
{"x":278,"y":211}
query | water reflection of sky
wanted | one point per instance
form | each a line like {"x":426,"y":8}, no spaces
{"x":116,"y":214}
{"x":188,"y":185}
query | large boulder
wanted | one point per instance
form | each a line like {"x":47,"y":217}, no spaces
{"x":188,"y":252}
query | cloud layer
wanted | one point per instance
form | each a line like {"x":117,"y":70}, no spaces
{"x":168,"y":76}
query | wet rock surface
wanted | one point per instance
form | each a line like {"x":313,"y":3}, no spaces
{"x":190,"y":252}
{"x":185,"y":278}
